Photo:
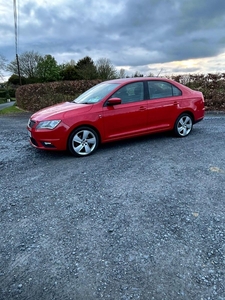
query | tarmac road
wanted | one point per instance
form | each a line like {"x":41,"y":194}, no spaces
{"x":139,"y":219}
{"x":7,"y":104}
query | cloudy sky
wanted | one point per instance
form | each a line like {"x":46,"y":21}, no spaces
{"x":148,"y":36}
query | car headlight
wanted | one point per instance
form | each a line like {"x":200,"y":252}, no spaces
{"x":48,"y":124}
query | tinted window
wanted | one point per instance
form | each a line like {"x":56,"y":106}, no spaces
{"x":132,"y":92}
{"x":176,"y":91}
{"x":162,"y":89}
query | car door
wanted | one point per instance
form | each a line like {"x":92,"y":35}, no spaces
{"x":128,"y":118}
{"x":162,"y":104}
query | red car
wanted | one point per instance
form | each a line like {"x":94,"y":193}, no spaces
{"x":114,"y":110}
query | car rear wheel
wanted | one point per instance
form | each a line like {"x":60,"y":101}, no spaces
{"x":183,"y":125}
{"x":83,"y":141}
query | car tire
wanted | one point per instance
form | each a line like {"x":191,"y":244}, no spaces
{"x":183,"y":125}
{"x":83,"y":141}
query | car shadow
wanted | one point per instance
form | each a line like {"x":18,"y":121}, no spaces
{"x":106,"y":148}
{"x":129,"y":142}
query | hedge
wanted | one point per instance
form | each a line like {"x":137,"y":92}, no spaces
{"x":211,"y":85}
{"x":32,"y":97}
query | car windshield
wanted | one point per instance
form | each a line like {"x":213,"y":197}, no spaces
{"x":96,"y":93}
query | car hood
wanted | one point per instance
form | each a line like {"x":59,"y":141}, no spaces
{"x":59,"y":111}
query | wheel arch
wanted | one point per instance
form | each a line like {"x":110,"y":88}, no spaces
{"x":81,"y":126}
{"x":190,"y":113}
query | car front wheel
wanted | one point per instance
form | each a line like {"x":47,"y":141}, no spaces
{"x":83,"y":141}
{"x":183,"y":125}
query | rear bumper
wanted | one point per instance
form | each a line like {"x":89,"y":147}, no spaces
{"x":199,"y":114}
{"x":200,"y":119}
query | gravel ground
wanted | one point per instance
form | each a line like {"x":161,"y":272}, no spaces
{"x":139,"y":219}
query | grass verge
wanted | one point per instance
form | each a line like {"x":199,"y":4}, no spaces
{"x":10,"y":110}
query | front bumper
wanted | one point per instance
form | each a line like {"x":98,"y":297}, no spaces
{"x":47,"y":139}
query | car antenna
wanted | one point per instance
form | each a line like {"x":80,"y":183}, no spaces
{"x":159,"y":72}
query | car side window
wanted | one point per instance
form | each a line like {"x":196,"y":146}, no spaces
{"x":162,"y":89}
{"x":132,"y":92}
{"x":176,"y":91}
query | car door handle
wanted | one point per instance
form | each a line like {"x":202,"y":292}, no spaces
{"x":142,"y":108}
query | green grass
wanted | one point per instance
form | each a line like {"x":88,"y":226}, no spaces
{"x":10,"y":110}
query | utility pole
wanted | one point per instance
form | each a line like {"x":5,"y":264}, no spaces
{"x":16,"y":37}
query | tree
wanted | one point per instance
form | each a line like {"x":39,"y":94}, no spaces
{"x":28,"y":64}
{"x":69,"y":71}
{"x":2,"y":65}
{"x":14,"y":79}
{"x":151,"y":74}
{"x":86,"y":68}
{"x":138,"y":74}
{"x":122,"y":73}
{"x":105,"y":69}
{"x":47,"y":69}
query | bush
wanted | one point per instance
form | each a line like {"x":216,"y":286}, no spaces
{"x":33,"y":97}
{"x":2,"y":93}
{"x":211,"y":85}
{"x":7,"y":93}
{"x":12,"y":93}
{"x":14,"y":79}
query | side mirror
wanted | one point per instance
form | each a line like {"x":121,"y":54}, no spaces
{"x":113,"y":101}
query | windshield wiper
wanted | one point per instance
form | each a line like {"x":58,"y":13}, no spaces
{"x":81,"y":102}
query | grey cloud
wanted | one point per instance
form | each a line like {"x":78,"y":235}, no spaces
{"x":134,"y":33}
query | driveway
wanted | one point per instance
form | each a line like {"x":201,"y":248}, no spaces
{"x":139,"y":219}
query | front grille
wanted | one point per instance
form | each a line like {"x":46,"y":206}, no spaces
{"x":31,"y":123}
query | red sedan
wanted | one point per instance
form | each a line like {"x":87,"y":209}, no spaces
{"x":114,"y":110}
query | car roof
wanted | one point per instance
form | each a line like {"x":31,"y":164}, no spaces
{"x":133,"y":79}
{"x":124,"y":81}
